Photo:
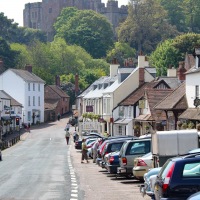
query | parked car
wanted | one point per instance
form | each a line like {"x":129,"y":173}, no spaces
{"x":195,"y":196}
{"x":112,"y":146}
{"x":142,"y":165}
{"x":149,"y":181}
{"x":129,"y":151}
{"x":112,"y":162}
{"x":179,"y":177}
{"x":102,"y":146}
{"x":78,"y":144}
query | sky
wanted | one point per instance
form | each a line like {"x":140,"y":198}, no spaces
{"x":13,"y":9}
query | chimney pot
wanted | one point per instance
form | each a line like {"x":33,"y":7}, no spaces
{"x":28,"y":68}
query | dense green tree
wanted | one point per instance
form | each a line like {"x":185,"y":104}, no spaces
{"x":165,"y":56}
{"x":8,"y":29}
{"x":7,"y":55}
{"x":145,"y":26}
{"x":170,"y":52}
{"x":27,"y":35}
{"x":23,"y":57}
{"x":175,"y":11}
{"x":121,"y":51}
{"x":87,"y":29}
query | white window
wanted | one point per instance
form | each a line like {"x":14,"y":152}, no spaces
{"x":29,"y":100}
{"x":33,"y":86}
{"x":33,"y":101}
{"x":38,"y":101}
{"x":29,"y":87}
{"x":197,"y":91}
{"x":29,"y":115}
{"x":38,"y":87}
{"x":120,"y":130}
{"x":129,"y":111}
{"x":104,"y":105}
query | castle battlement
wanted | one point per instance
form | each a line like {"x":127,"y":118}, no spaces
{"x":42,"y":15}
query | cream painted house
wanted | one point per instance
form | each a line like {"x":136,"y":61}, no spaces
{"x":107,"y":92}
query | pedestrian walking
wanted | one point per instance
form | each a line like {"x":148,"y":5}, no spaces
{"x":75,"y":136}
{"x":58,"y":116}
{"x":67,"y":136}
{"x":67,"y":126}
{"x":29,"y":127}
{"x":84,"y":152}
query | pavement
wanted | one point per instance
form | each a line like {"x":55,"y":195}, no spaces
{"x":96,"y":183}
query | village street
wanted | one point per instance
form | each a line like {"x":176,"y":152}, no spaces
{"x":42,"y":166}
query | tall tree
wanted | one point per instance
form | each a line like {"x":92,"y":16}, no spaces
{"x":8,"y":56}
{"x":121,"y":51}
{"x":170,"y":52}
{"x":87,"y":29}
{"x":145,"y":25}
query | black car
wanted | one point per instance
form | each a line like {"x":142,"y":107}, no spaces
{"x":178,"y":178}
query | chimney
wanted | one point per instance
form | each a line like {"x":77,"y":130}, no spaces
{"x":141,"y":76}
{"x":114,"y":67}
{"x":130,"y":62}
{"x":76,"y":84}
{"x":1,"y":63}
{"x":181,"y":71}
{"x":57,"y":80}
{"x":171,"y":71}
{"x":28,"y":68}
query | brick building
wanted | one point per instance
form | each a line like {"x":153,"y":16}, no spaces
{"x":42,"y":15}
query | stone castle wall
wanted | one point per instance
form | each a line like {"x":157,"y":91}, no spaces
{"x":42,"y":15}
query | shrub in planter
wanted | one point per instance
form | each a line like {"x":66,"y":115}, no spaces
{"x":179,"y":124}
{"x":198,"y":127}
{"x":184,"y":125}
{"x":191,"y":125}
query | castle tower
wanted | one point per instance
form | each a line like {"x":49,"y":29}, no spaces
{"x":42,"y":15}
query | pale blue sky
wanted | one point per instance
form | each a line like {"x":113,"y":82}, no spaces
{"x":13,"y":9}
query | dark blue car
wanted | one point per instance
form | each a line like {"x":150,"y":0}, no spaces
{"x":112,"y":162}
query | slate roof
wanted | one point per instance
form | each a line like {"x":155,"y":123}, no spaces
{"x":27,"y":76}
{"x":175,"y":100}
{"x":13,"y":102}
{"x":173,"y":82}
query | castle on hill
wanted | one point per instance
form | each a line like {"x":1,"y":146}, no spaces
{"x":42,"y":15}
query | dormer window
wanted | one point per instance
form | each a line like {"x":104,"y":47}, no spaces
{"x":105,"y":85}
{"x":99,"y":86}
{"x":94,"y":87}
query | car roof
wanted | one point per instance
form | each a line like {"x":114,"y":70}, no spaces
{"x":186,"y":156}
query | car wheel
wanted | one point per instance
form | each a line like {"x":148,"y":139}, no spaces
{"x":129,"y":176}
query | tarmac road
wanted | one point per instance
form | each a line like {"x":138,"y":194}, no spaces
{"x":96,"y":184}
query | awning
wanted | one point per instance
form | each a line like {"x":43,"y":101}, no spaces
{"x":5,"y":118}
{"x":123,"y":121}
{"x":191,"y":113}
{"x":144,"y":118}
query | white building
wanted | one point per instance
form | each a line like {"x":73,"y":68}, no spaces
{"x":27,"y":89}
{"x":109,"y":91}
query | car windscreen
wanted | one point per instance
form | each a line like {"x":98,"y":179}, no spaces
{"x":138,"y":147}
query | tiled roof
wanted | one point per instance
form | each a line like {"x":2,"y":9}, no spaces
{"x":13,"y":102}
{"x":27,"y":76}
{"x":136,"y":95}
{"x":54,"y":92}
{"x":59,"y":91}
{"x":190,"y":113}
{"x":153,"y":97}
{"x":175,"y":100}
{"x":50,"y":104}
